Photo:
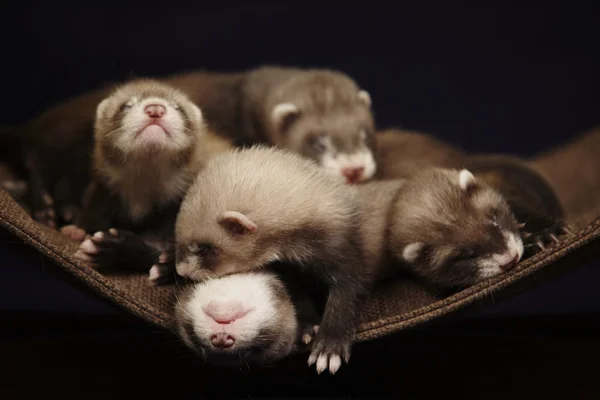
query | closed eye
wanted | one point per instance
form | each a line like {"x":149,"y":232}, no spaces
{"x":202,"y":249}
{"x":466,"y":254}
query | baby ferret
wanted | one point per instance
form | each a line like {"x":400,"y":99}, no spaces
{"x":250,"y":317}
{"x":444,"y":225}
{"x":253,"y":206}
{"x":150,"y":140}
{"x":531,"y":198}
{"x":56,"y":147}
{"x":319,"y":113}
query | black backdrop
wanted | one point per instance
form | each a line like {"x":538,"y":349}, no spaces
{"x":491,"y":77}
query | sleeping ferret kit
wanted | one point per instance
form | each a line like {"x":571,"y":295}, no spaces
{"x":265,"y":211}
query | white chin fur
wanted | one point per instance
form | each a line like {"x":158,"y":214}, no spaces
{"x":136,"y":118}
{"x":362,"y":158}
{"x":492,"y":266}
{"x":251,"y":291}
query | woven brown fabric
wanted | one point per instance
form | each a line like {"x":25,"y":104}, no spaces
{"x":394,"y":306}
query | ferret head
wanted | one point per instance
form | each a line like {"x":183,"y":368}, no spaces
{"x":146,"y":117}
{"x":238,"y":318}
{"x":327,"y":118}
{"x":454,"y":230}
{"x":231,"y":245}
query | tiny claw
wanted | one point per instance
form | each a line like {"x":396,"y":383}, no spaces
{"x":540,"y":245}
{"x":99,"y":235}
{"x":306,"y":338}
{"x":554,"y":238}
{"x":567,"y":230}
{"x":526,"y":235}
{"x":312,"y":359}
{"x":521,"y":225}
{"x":113,"y":232}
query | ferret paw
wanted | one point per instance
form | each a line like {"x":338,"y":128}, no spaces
{"x":546,"y":238}
{"x":46,"y":215}
{"x":73,"y":232}
{"x":329,"y":353}
{"x":162,"y":272}
{"x":102,"y":248}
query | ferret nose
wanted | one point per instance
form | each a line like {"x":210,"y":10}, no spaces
{"x":225,"y":312}
{"x":353,"y":174}
{"x":510,"y":265}
{"x":222,"y":340}
{"x":155,"y":110}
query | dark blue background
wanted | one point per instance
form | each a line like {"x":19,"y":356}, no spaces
{"x":491,"y":77}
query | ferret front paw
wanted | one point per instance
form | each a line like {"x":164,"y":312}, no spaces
{"x":73,"y":232}
{"x":162,"y":272}
{"x":546,"y":237}
{"x":328,"y":353}
{"x":103,"y":248}
{"x":45,"y":213}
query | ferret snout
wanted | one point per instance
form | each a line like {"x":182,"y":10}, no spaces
{"x":225,"y":312}
{"x":353,"y":174}
{"x":222,"y":340}
{"x":155,"y":110}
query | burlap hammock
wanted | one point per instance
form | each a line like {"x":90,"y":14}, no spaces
{"x":573,"y":170}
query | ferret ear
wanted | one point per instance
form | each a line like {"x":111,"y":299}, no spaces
{"x":196,"y":113}
{"x":283,"y":115}
{"x":412,"y":251}
{"x":100,"y":108}
{"x":465,"y":179}
{"x":236,"y":223}
{"x":365,"y":97}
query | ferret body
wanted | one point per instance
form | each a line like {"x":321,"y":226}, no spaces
{"x":443,"y":225}
{"x":251,"y":207}
{"x":532,"y":200}
{"x":319,"y":113}
{"x":150,"y":141}
{"x":250,"y":317}
{"x":56,"y":148}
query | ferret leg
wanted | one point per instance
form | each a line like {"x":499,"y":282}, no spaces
{"x":308,"y":319}
{"x":336,"y":331}
{"x":118,"y":248}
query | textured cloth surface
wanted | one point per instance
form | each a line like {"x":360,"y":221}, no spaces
{"x":393,"y":306}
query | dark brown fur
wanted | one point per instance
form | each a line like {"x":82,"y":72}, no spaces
{"x":530,"y":196}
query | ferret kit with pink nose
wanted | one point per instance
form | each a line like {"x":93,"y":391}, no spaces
{"x":250,"y":207}
{"x":150,"y":141}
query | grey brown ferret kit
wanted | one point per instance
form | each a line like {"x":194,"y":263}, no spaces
{"x":182,"y":180}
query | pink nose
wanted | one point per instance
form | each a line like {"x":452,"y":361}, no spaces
{"x":222,"y":340}
{"x":225,"y":312}
{"x":511,"y":264}
{"x":155,"y":110}
{"x":353,"y":174}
